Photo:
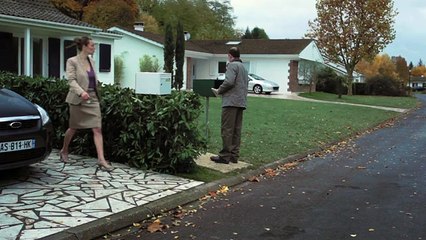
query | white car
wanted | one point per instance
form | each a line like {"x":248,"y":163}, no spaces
{"x":258,"y":85}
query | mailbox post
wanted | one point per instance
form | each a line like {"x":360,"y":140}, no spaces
{"x":204,"y":88}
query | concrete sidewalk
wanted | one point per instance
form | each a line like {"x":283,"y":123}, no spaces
{"x":58,"y":200}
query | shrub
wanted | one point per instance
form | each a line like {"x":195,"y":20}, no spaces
{"x":328,"y":81}
{"x":149,"y":64}
{"x":160,"y":133}
{"x":384,"y":86}
{"x":359,"y":88}
{"x":118,"y":69}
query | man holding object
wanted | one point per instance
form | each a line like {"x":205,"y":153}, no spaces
{"x":234,"y":101}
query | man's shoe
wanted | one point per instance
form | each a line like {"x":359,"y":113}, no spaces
{"x":218,"y":159}
{"x":233,"y":160}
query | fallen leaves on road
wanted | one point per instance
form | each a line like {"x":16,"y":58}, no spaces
{"x":136,"y":225}
{"x":269,"y":172}
{"x":156,"y":226}
{"x":290,"y":165}
{"x":223,"y":190}
{"x":253,"y":179}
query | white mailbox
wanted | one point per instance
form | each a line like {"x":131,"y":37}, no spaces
{"x":153,"y":83}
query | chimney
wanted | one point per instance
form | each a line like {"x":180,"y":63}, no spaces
{"x":138,"y":26}
{"x":187,"y":35}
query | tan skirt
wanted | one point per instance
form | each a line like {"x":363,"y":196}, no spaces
{"x":87,"y":114}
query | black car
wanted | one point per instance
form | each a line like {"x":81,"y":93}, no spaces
{"x":25,"y":131}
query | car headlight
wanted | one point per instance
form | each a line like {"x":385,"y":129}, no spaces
{"x":44,"y":116}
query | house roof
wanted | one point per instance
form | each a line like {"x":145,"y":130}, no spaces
{"x":148,"y":35}
{"x":247,"y":46}
{"x":38,"y":10}
{"x":252,"y":46}
{"x":160,"y":39}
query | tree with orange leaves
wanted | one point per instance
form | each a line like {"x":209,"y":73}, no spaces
{"x":101,"y":13}
{"x":109,"y":13}
{"x":348,"y":31}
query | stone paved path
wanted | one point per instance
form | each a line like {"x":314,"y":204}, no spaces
{"x":51,"y":196}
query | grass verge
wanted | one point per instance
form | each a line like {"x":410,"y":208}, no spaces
{"x":274,"y":129}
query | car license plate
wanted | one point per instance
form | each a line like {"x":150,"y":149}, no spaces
{"x":17,"y":145}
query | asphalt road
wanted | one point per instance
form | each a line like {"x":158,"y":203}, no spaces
{"x":374,"y":188}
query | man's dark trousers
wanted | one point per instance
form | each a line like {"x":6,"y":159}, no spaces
{"x":232,"y":121}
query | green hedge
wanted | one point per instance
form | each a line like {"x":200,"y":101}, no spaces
{"x":160,"y":133}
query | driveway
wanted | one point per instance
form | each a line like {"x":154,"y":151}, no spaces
{"x":50,"y":197}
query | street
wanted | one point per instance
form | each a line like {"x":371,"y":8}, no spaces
{"x":372,"y":188}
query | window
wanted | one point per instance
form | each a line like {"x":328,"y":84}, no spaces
{"x":104,"y":58}
{"x":8,"y":52}
{"x":70,"y":50}
{"x":54,"y":55}
{"x":37,"y":57}
{"x":222,"y":67}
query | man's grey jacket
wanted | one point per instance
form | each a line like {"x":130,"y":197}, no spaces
{"x":234,"y":88}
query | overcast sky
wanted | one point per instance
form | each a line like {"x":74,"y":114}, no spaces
{"x":283,"y":19}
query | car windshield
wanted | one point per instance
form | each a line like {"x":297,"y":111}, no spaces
{"x":256,"y":77}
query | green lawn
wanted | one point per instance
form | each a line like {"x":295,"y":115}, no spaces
{"x":397,"y":102}
{"x":275,"y":128}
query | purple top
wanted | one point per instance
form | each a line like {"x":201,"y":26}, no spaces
{"x":92,"y":78}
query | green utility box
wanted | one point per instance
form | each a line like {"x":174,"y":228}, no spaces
{"x":204,"y":86}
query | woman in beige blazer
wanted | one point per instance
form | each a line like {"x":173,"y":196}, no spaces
{"x":83,"y":100}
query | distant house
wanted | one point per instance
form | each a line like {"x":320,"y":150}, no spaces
{"x":276,"y":60}
{"x":36,"y":39}
{"x":340,"y":70}
{"x":134,"y":44}
{"x":417,"y":83}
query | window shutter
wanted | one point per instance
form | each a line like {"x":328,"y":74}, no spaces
{"x":104,"y":58}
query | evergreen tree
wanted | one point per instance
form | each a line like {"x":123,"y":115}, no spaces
{"x":179,"y":55}
{"x":259,"y":33}
{"x":169,"y":49}
{"x":247,"y":34}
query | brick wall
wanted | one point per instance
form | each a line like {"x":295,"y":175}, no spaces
{"x":188,"y":73}
{"x":293,"y":84}
{"x":293,"y":81}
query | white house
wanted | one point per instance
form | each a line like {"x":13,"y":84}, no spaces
{"x":35,"y":40}
{"x":340,"y":70}
{"x":134,"y":44}
{"x":276,"y":60}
